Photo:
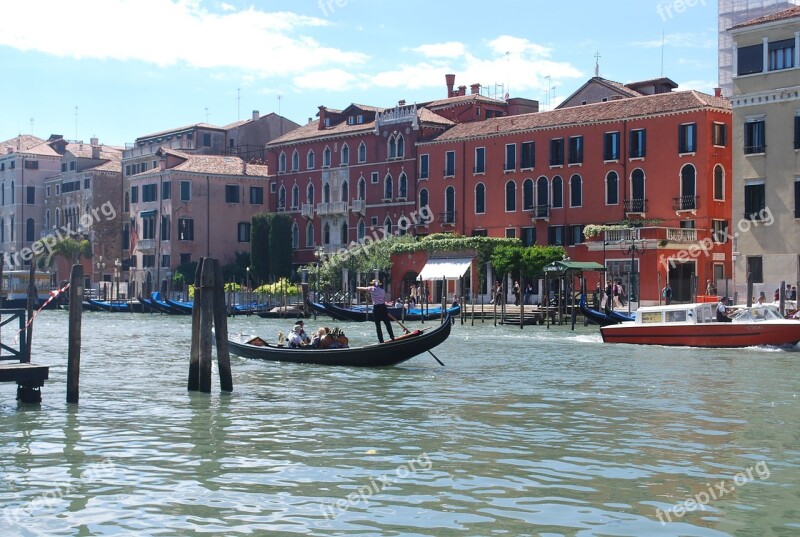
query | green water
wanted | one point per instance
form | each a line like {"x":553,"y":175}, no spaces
{"x":523,"y":432}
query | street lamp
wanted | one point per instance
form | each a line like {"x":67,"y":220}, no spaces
{"x":117,"y":269}
{"x":249,"y":297}
{"x":319,"y":255}
{"x":101,"y":267}
{"x":634,"y":249}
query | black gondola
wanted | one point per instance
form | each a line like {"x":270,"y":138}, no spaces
{"x":601,"y":318}
{"x":389,"y":353}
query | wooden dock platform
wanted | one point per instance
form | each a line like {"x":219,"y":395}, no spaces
{"x":29,"y":378}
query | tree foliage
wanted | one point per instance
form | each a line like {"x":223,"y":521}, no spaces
{"x":531,"y":260}
{"x":70,"y":249}
{"x":259,"y":246}
{"x":280,"y":245}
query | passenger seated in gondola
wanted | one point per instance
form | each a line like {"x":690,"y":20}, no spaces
{"x":298,"y":337}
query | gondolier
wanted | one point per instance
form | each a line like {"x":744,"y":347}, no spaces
{"x":379,"y":310}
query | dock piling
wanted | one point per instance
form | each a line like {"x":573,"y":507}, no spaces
{"x":74,"y":349}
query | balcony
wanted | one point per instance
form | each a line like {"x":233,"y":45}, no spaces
{"x":684,"y":203}
{"x":681,"y":234}
{"x":540,"y":212}
{"x":359,"y":207}
{"x":661,"y":235}
{"x":447,"y":218}
{"x":619,"y":235}
{"x":330,"y":208}
{"x":146,"y":245}
{"x":635,"y":205}
{"x":307,"y":210}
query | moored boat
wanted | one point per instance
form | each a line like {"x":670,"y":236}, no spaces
{"x":389,"y":353}
{"x":696,"y":325}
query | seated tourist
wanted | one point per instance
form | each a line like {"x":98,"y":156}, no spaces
{"x":296,"y":339}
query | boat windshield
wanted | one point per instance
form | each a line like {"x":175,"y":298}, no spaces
{"x":766,"y":312}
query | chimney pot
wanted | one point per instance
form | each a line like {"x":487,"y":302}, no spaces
{"x":475,"y":89}
{"x":401,"y":102}
{"x":450,"y":80}
{"x":255,"y":115}
{"x":462,"y":90}
{"x":717,"y":92}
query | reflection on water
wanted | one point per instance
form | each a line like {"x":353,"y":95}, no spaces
{"x":530,"y":431}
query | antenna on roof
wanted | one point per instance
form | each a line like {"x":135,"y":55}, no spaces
{"x":76,"y":123}
{"x":662,"y":53}
{"x":547,"y":99}
{"x":597,"y":65}
{"x":279,"y":103}
{"x":238,"y":103}
{"x":206,"y":109}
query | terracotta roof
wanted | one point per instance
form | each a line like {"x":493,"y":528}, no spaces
{"x":180,"y":129}
{"x":85,"y":151}
{"x":790,"y":13}
{"x":113,"y":164}
{"x":611,"y":84}
{"x":311,"y":131}
{"x":215,"y":164}
{"x":650,"y":105}
{"x":460,"y":99}
{"x":660,"y":80}
{"x":23,"y":142}
{"x":427,"y":116}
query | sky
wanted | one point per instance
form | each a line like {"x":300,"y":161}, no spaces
{"x":121,"y":69}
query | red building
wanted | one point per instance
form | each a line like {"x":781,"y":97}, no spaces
{"x":661,"y":163}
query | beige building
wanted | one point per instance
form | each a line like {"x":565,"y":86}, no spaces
{"x":766,"y":151}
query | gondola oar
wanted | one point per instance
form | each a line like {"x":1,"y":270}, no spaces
{"x":392,"y":317}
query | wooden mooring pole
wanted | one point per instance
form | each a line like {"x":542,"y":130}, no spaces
{"x":74,"y":349}
{"x":209,"y":310}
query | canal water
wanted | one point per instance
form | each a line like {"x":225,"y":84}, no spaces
{"x":523,"y":432}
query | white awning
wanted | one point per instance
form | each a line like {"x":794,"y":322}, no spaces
{"x":449,"y":269}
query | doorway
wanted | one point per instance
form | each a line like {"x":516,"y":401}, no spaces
{"x":681,"y":278}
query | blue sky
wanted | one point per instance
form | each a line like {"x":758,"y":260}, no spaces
{"x":120,"y":69}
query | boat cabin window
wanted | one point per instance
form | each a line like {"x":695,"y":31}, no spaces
{"x":676,"y":316}
{"x":651,"y":317}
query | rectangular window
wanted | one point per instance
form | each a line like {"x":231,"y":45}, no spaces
{"x":164,"y":260}
{"x":185,"y":258}
{"x":30,"y":195}
{"x":231,"y":193}
{"x":611,"y":146}
{"x":243,"y":232}
{"x":755,"y":267}
{"x":528,"y":236}
{"x":511,"y":158}
{"x":166,"y":190}
{"x":165,"y":227}
{"x":555,"y":235}
{"x":749,"y":60}
{"x":527,"y":155}
{"x":754,"y":137}
{"x":424,"y":166}
{"x":797,"y":198}
{"x":557,"y":152}
{"x":185,"y":229}
{"x":206,"y":139}
{"x":781,"y":55}
{"x":134,"y":194}
{"x":754,"y":201}
{"x":31,"y":164}
{"x":576,"y":235}
{"x":87,"y":182}
{"x":687,"y":138}
{"x":719,"y":134}
{"x":511,"y":233}
{"x":638,"y":143}
{"x":480,"y":160}
{"x":186,"y":191}
{"x":720,"y":230}
{"x":148,"y":227}
{"x":797,"y":131}
{"x":374,"y":178}
{"x":47,"y":191}
{"x":148,"y":261}
{"x":149,"y":192}
{"x":450,"y":164}
{"x":256,"y":195}
{"x":575,"y":150}
{"x":126,"y":236}
{"x":63,"y":167}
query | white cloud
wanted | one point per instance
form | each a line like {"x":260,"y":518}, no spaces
{"x":328,"y":79}
{"x":451,"y":49}
{"x":165,"y":33}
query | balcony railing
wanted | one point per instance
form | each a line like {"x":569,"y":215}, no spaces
{"x":447,"y":218}
{"x":681,"y":234}
{"x":146,"y":245}
{"x":358,"y":206}
{"x":755,"y":149}
{"x":684,"y":203}
{"x":540,"y":212}
{"x":333,"y":207}
{"x":307,"y":210}
{"x":635,"y":205}
{"x":619,"y":235}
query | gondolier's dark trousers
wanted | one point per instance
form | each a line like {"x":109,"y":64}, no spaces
{"x":381,"y":314}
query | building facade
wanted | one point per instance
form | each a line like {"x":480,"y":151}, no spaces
{"x":766,"y":149}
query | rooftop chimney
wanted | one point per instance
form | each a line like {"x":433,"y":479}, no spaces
{"x":255,"y":115}
{"x":401,"y":102}
{"x":450,"y":80}
{"x":462,"y":90}
{"x":95,"y":148}
{"x":475,"y":89}
{"x":717,"y":92}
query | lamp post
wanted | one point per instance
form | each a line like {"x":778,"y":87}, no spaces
{"x":319,"y":253}
{"x":101,"y":267}
{"x":117,"y":269}
{"x":634,"y":249}
{"x":249,"y":297}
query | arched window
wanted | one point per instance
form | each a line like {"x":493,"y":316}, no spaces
{"x":527,"y":195}
{"x":450,"y":205}
{"x":295,"y":161}
{"x":542,"y":196}
{"x":11,"y":229}
{"x":362,"y":189}
{"x":345,"y":191}
{"x":295,"y":197}
{"x":282,"y":197}
{"x":612,"y":188}
{"x":295,"y":236}
{"x":282,"y":162}
{"x":13,"y":195}
{"x":58,"y":217}
{"x":402,"y":186}
{"x":424,"y":199}
{"x":558,"y":192}
{"x":511,"y":196}
{"x":345,"y":155}
{"x":47,"y":219}
{"x":575,"y":191}
{"x":637,"y":204}
{"x":387,"y":225}
{"x":480,"y":198}
{"x":310,"y":159}
{"x":392,"y":148}
{"x":326,"y":157}
{"x":362,"y":152}
{"x":362,"y":229}
{"x":388,"y":187}
{"x":688,"y":187}
{"x":343,"y":229}
{"x":127,"y":201}
{"x":326,"y":193}
{"x":719,"y":183}
{"x":309,"y":235}
{"x":326,"y":233}
{"x":401,"y":146}
{"x":310,"y":193}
